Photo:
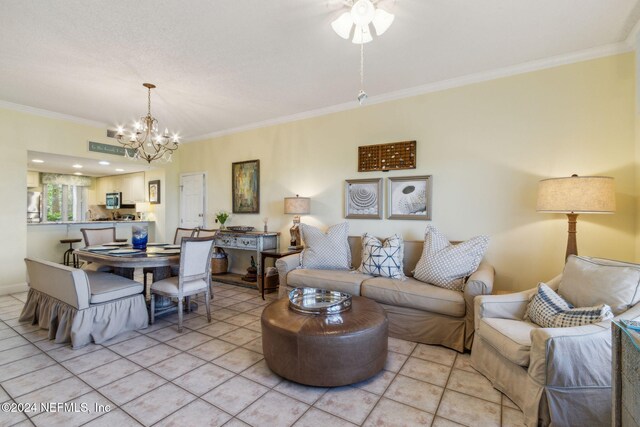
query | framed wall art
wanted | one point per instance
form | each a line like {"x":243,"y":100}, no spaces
{"x":154,"y":192}
{"x":245,"y":179}
{"x":363,"y":198}
{"x":409,"y":197}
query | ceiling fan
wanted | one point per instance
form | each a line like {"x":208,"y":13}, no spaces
{"x":362,"y":14}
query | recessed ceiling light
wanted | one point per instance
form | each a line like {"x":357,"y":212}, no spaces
{"x":77,"y":173}
{"x":77,"y":166}
{"x":37,"y":161}
{"x":119,"y":170}
{"x":104,"y":163}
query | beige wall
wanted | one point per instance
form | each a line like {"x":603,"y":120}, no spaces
{"x":19,"y":133}
{"x":486,"y":145}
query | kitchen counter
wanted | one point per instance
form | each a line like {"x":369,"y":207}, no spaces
{"x":109,"y":222}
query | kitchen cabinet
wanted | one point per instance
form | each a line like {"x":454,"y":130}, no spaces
{"x":130,"y":185}
{"x":33,"y":179}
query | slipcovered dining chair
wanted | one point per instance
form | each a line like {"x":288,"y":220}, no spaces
{"x":95,"y":237}
{"x":194,"y":277}
{"x":177,"y":239}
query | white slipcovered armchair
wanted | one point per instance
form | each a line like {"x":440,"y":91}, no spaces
{"x":557,"y":376}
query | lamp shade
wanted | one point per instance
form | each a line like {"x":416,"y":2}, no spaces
{"x":577,"y":194}
{"x":297,"y":205}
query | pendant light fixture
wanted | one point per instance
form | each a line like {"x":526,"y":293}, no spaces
{"x":144,"y":141}
{"x":358,"y":19}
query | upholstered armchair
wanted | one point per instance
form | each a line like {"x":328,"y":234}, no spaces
{"x":557,"y":376}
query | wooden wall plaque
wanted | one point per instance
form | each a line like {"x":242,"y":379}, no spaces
{"x":386,"y":157}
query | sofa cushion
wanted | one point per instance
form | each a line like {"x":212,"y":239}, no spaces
{"x":511,"y":338}
{"x":414,"y":294}
{"x":382,"y":258}
{"x":545,"y":306}
{"x":108,"y":287}
{"x":446,"y":265}
{"x":327,"y":250}
{"x":334,"y":280}
{"x":592,"y":281}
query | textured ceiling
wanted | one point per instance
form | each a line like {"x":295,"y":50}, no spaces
{"x":226,"y":64}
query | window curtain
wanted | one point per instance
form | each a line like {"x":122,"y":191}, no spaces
{"x":60,"y":179}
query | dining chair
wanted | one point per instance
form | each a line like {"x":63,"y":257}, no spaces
{"x":96,"y":237}
{"x":177,"y":239}
{"x":204,"y":232}
{"x":194,"y":277}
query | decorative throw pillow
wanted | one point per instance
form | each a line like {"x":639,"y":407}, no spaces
{"x":545,"y":306}
{"x":550,"y":310}
{"x":446,"y":265}
{"x":583,"y":316}
{"x":327,"y":251}
{"x":382,"y":258}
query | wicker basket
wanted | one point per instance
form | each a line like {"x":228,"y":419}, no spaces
{"x":219,"y":261}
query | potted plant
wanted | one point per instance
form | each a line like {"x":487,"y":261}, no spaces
{"x":222,"y":216}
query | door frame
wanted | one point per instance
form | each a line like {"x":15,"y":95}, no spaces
{"x":204,"y":196}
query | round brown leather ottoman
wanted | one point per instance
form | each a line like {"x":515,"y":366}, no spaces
{"x":325,"y":351}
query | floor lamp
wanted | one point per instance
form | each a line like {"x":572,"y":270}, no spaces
{"x":576,"y":195}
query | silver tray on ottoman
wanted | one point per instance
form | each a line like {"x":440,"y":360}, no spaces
{"x":318,"y":301}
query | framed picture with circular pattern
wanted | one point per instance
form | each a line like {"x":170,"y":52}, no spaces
{"x":409,"y":197}
{"x":363,"y":198}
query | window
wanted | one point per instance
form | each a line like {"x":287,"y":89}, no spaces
{"x":65,"y":202}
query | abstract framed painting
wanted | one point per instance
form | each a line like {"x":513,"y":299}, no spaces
{"x":245,"y":179}
{"x":409,"y":197}
{"x":363,"y":198}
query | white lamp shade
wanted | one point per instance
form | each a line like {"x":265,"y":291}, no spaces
{"x":363,"y":12}
{"x":297,"y":205}
{"x":382,"y":21}
{"x":342,"y":25}
{"x":577,"y":194}
{"x":362,"y":35}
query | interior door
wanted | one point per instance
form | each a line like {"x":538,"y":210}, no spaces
{"x":192,"y":203}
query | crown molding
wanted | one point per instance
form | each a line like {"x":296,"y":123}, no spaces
{"x":50,"y":114}
{"x":633,"y":35}
{"x":527,"y":67}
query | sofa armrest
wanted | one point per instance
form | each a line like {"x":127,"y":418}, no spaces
{"x":284,"y":266}
{"x":479,"y":283}
{"x":508,"y":306}
{"x":572,"y":357}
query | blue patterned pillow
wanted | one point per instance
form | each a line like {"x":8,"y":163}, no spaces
{"x":583,"y":316}
{"x":545,"y":305}
{"x":550,"y":310}
{"x":382,"y":258}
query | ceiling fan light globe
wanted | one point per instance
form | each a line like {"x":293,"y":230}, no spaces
{"x":342,"y":25}
{"x":363,"y":12}
{"x":382,"y":21}
{"x":362,"y":35}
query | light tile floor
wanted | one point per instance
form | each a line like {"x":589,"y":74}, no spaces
{"x":214,"y":374}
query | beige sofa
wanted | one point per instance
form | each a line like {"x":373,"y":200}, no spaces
{"x":80,"y":306}
{"x":417,"y":311}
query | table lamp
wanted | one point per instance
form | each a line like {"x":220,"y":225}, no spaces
{"x":576,"y":195}
{"x":296,"y":206}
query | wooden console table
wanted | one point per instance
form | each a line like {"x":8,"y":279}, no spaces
{"x":254,"y":241}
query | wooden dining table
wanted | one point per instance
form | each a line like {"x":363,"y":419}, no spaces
{"x":125,"y":264}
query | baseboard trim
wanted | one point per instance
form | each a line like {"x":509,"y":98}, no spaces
{"x":14,"y":289}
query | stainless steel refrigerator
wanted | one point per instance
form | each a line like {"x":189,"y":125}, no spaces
{"x":34,"y":206}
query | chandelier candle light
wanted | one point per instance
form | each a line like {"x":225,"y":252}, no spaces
{"x":144,"y":141}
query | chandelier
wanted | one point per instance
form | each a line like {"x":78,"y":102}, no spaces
{"x":362,"y":14}
{"x":144,"y":141}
